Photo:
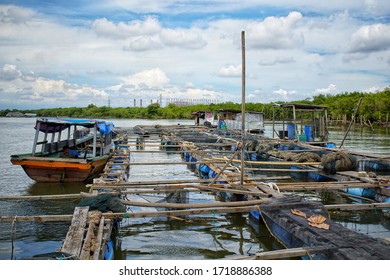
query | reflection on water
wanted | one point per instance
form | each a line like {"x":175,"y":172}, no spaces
{"x":56,"y":188}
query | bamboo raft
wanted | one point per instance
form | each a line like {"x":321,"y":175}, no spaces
{"x":87,"y":238}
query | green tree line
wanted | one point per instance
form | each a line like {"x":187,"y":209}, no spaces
{"x":375,"y":107}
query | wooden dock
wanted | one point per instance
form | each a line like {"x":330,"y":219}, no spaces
{"x":88,"y":235}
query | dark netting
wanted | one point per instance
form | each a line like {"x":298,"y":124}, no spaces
{"x":103,"y":203}
{"x":306,"y":157}
{"x":338,"y":161}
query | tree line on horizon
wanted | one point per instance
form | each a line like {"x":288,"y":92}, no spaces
{"x":375,"y":108}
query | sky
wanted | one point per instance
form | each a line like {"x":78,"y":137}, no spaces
{"x":110,"y":53}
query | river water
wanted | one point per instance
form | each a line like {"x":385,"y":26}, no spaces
{"x":199,"y":237}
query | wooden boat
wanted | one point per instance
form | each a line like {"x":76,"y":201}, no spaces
{"x":90,"y":142}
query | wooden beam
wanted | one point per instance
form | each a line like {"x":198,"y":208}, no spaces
{"x":75,"y":236}
{"x":363,"y":206}
{"x":285,"y":253}
{"x":193,"y":206}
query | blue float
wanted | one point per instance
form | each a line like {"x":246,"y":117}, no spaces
{"x":291,"y":131}
{"x":308,"y":133}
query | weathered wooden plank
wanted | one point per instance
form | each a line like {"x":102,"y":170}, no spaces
{"x":364,"y":206}
{"x":99,"y":240}
{"x":74,"y":237}
{"x":86,"y":249}
{"x":286,"y":253}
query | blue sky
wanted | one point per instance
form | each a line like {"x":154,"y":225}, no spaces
{"x":74,"y":53}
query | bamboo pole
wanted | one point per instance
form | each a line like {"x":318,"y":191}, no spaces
{"x":285,"y":253}
{"x":207,"y":188}
{"x":243,"y":209}
{"x":288,"y":163}
{"x":363,"y":206}
{"x":41,"y":197}
{"x":352,"y":121}
{"x":243,"y":131}
{"x":68,"y":218}
{"x":195,"y":206}
{"x":175,"y":162}
{"x":226,"y":165}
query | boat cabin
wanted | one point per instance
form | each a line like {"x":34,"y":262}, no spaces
{"x":89,"y":138}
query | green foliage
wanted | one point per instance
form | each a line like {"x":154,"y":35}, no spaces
{"x":375,"y":107}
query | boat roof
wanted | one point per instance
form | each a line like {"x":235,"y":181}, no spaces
{"x":233,"y":111}
{"x":301,"y":106}
{"x":53,"y":125}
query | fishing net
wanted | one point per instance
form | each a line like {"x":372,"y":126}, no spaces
{"x":338,"y":161}
{"x":103,"y":203}
{"x":306,"y":157}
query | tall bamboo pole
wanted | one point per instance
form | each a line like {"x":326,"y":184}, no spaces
{"x":243,"y":132}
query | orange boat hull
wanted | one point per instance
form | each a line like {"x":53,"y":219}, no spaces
{"x":61,"y":170}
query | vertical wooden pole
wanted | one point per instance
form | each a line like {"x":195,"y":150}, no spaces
{"x":38,"y":126}
{"x":295,"y":123}
{"x":243,"y":132}
{"x":273,"y":122}
{"x":94,"y":140}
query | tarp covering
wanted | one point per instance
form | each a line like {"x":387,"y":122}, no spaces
{"x":53,"y":125}
{"x":105,"y":127}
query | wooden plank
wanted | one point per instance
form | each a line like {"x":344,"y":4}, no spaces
{"x":74,"y":237}
{"x":364,"y":206}
{"x":99,"y":240}
{"x":87,"y":244}
{"x":286,"y":253}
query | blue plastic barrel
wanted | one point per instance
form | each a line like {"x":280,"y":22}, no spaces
{"x":291,"y":131}
{"x":308,"y":133}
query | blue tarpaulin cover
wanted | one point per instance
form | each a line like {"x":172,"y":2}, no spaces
{"x":53,"y":125}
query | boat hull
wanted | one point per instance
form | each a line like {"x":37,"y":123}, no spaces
{"x":61,"y":170}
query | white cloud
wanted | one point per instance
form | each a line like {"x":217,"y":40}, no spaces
{"x":9,"y":73}
{"x":284,"y":93}
{"x":77,"y":56}
{"x":230,"y":71}
{"x":329,"y":90}
{"x":275,"y":32}
{"x":16,"y":15}
{"x":143,"y":43}
{"x":371,"y":38}
{"x":276,"y":60}
{"x":152,"y":78}
{"x":122,"y":30}
{"x":188,"y":39}
{"x":60,"y":92}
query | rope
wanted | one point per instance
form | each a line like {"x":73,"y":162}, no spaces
{"x":272,"y":186}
